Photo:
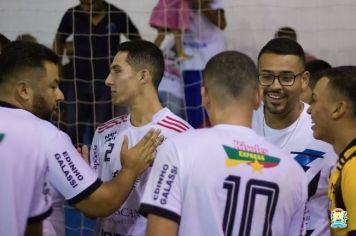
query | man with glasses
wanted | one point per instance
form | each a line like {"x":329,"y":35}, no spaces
{"x":284,"y":121}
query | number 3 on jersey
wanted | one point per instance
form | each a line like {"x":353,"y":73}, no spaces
{"x":254,"y":189}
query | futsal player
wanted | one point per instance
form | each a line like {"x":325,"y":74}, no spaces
{"x":136,"y":72}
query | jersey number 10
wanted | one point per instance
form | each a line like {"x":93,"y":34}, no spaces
{"x":254,"y":188}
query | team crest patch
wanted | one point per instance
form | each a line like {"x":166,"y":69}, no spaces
{"x":257,"y":161}
{"x":1,"y":137}
{"x":338,"y":218}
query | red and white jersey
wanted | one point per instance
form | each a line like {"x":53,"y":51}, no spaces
{"x":226,"y":180}
{"x":24,"y":170}
{"x":316,"y":157}
{"x":105,"y":159}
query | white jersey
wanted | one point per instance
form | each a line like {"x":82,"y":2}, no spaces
{"x":24,"y":170}
{"x":223,"y":180}
{"x":104,"y":158}
{"x":316,"y":157}
{"x":70,"y":177}
{"x":203,"y":39}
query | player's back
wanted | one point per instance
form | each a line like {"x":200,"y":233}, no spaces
{"x":23,"y":171}
{"x":229,"y":181}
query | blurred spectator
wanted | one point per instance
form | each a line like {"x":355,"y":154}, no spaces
{"x":3,"y":41}
{"x":203,"y":40}
{"x":288,"y":32}
{"x":171,"y":16}
{"x":315,"y":68}
{"x":96,"y":27}
{"x":26,"y":37}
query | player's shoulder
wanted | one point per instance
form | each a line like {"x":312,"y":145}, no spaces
{"x":168,"y":120}
{"x":113,"y":124}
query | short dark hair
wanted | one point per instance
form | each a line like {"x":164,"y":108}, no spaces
{"x":232,"y":71}
{"x":283,"y":46}
{"x":342,"y":80}
{"x":315,"y":68}
{"x":144,"y":54}
{"x":286,"y":32}
{"x":21,"y":55}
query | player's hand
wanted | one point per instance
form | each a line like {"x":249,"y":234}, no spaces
{"x":84,"y":152}
{"x":140,"y":157}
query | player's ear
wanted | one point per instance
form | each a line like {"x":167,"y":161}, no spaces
{"x":144,"y":76}
{"x":205,"y":96}
{"x":23,"y":90}
{"x":338,"y":109}
{"x":258,"y":98}
{"x":305,"y":80}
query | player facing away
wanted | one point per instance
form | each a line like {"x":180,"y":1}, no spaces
{"x":283,"y":120}
{"x":333,"y":111}
{"x":171,"y":16}
{"x":225,"y":180}
{"x":136,"y":72}
{"x":29,"y":76}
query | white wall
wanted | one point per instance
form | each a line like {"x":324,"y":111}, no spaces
{"x":326,"y":28}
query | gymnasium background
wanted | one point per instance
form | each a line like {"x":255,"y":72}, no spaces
{"x":326,"y":29}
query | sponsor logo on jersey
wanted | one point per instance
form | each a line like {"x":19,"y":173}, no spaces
{"x":127,"y":212}
{"x":306,"y":157}
{"x":96,"y":163}
{"x":2,"y":135}
{"x":257,"y":161}
{"x":164,"y":183}
{"x":110,"y":137}
{"x":105,"y":233}
{"x":69,"y":169}
{"x":338,"y":218}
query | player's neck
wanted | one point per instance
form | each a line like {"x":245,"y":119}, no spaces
{"x":281,"y":121}
{"x":142,"y":110}
{"x":232,"y":116}
{"x":10,"y":100}
{"x":343,"y":135}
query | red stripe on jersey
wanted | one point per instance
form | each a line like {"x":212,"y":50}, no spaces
{"x":112,"y":123}
{"x":182,"y":128}
{"x":177,"y":121}
{"x":170,"y":127}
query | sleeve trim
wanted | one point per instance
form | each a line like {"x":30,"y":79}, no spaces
{"x":85,"y":193}
{"x":40,"y":217}
{"x":146,"y":209}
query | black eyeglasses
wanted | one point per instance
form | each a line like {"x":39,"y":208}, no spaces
{"x":285,"y":79}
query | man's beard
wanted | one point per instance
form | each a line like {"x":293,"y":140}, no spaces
{"x":41,"y":109}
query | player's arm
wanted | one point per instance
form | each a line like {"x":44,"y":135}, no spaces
{"x":163,"y":211}
{"x":216,"y":16}
{"x":160,"y":226}
{"x":65,"y":29}
{"x":34,"y":229}
{"x":59,"y":44}
{"x":112,"y":194}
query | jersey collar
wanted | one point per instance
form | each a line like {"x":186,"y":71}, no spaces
{"x":349,"y":152}
{"x":7,"y":105}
